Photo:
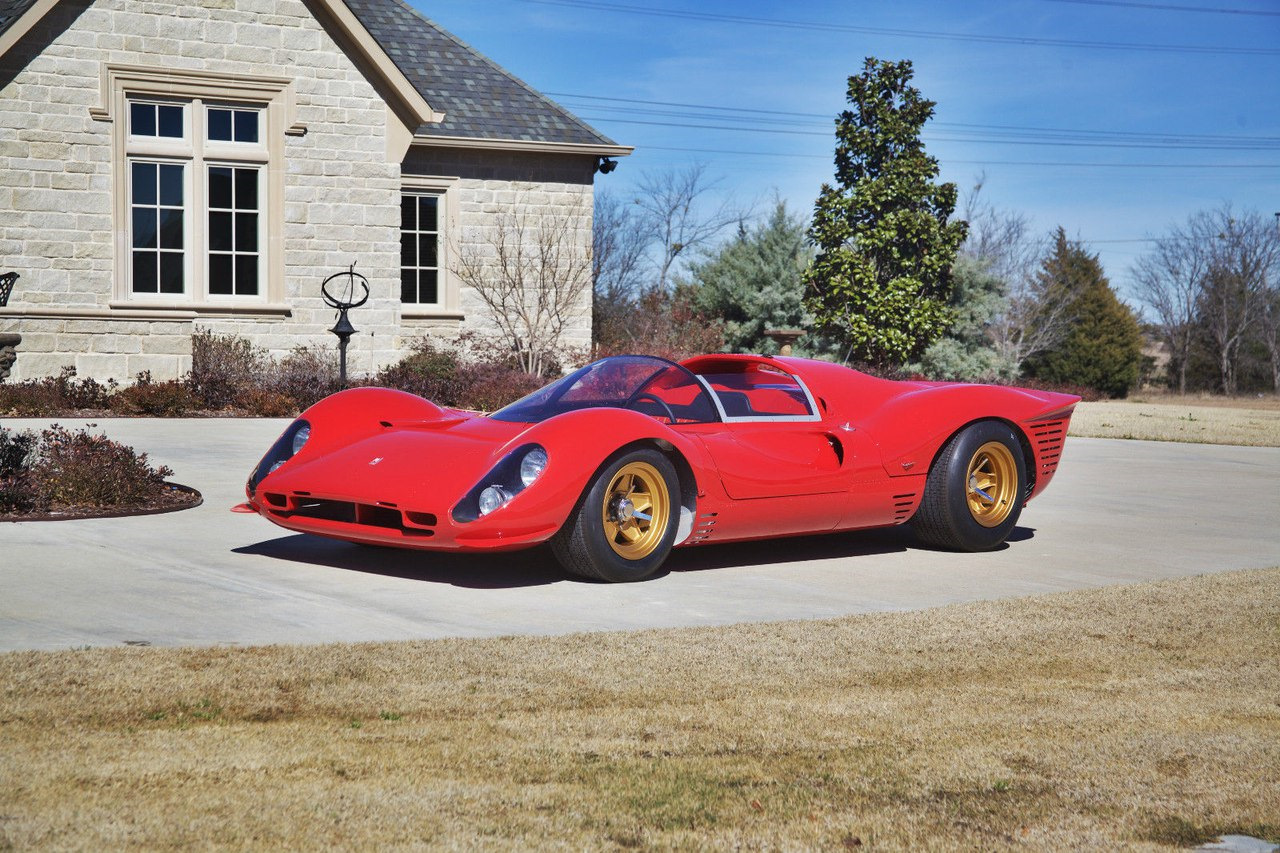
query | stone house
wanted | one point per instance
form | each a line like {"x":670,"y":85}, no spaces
{"x":167,"y":167}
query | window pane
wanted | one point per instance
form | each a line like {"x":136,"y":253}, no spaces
{"x":220,"y":125}
{"x":427,"y":250}
{"x":170,"y":272}
{"x":408,"y":213}
{"x":144,"y":272}
{"x":171,"y":229}
{"x":220,"y":187}
{"x":408,"y":254}
{"x":219,"y":231}
{"x":246,"y":189}
{"x":427,"y":287}
{"x":220,"y":275}
{"x":144,"y":183}
{"x":142,"y":119}
{"x":171,"y":185}
{"x":170,"y":124}
{"x":246,"y":125}
{"x":246,"y":232}
{"x":144,"y":228}
{"x":427,"y":215}
{"x":246,"y":275}
{"x":408,"y":286}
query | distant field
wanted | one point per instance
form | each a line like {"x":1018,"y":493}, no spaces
{"x":1140,"y":718}
{"x":1253,"y":421}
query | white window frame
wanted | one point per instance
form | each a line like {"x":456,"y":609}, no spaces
{"x":448,"y":294}
{"x":272,"y":98}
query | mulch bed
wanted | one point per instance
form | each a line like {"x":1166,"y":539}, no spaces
{"x":175,"y":497}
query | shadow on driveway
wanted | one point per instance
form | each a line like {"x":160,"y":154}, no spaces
{"x":538,"y":567}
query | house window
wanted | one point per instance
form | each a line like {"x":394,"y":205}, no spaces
{"x":171,"y":255}
{"x":199,"y":188}
{"x":420,"y":248}
{"x":158,"y":194}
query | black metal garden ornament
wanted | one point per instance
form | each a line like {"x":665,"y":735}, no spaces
{"x":343,"y":298}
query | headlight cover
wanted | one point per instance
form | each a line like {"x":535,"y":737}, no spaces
{"x":289,"y":443}
{"x":514,"y":473}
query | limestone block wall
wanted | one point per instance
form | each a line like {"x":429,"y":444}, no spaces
{"x":341,"y":195}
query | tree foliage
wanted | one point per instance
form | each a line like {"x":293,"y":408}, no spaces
{"x":1102,"y":348}
{"x":966,"y":352}
{"x":881,"y":279}
{"x":754,"y":282}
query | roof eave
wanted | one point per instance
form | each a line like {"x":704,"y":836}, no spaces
{"x":590,"y":148}
{"x":23,"y":25}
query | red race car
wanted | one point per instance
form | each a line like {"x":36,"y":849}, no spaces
{"x":623,"y":460}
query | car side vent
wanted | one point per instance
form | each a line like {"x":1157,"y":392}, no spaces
{"x":704,"y":528}
{"x":904,"y":506}
{"x":1047,"y":438}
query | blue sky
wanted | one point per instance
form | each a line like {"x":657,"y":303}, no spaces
{"x":1133,"y":139}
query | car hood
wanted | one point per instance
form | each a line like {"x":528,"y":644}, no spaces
{"x":422,"y":465}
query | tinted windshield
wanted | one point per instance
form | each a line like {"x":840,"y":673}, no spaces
{"x":645,"y":384}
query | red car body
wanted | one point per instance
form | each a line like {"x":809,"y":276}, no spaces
{"x":788,"y":446}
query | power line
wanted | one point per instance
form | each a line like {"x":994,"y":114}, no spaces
{"x":944,"y":137}
{"x":750,"y":114}
{"x":923,"y":34}
{"x":950,"y":162}
{"x":1169,"y":7}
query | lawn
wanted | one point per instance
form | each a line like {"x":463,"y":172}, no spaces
{"x":1250,"y":421}
{"x":1127,"y":717}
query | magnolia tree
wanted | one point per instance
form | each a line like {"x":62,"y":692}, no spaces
{"x":881,"y":279}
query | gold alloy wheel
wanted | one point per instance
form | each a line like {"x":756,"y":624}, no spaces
{"x":992,"y":484}
{"x":637,"y":507}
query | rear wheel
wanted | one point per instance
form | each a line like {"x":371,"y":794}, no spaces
{"x":975,"y":490}
{"x":624,"y":526}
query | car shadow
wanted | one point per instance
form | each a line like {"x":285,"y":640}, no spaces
{"x":507,"y":570}
{"x":538,"y":567}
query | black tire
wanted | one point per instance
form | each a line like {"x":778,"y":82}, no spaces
{"x":596,"y":541}
{"x":975,"y":490}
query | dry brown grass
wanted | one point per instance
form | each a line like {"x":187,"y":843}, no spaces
{"x":1128,"y":717}
{"x":1253,"y":421}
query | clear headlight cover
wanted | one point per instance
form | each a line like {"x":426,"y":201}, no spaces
{"x":300,"y":438}
{"x":532,"y":465}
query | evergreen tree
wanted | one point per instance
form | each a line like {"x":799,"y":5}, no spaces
{"x":753,"y":283}
{"x":881,"y":280}
{"x":1103,"y":348}
{"x":966,"y":352}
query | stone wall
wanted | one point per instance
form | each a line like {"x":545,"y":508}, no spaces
{"x":341,"y":195}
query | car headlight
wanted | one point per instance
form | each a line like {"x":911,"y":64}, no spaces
{"x":300,"y":438}
{"x":532,"y":464}
{"x":514,"y":473}
{"x":493,"y":497}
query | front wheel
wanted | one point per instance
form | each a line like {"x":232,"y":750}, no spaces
{"x":975,"y":490}
{"x":624,"y":526}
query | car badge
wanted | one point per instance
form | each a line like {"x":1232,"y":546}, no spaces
{"x":375,"y":460}
{"x":907,"y":466}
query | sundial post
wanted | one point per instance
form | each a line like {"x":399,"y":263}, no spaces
{"x":344,"y":299}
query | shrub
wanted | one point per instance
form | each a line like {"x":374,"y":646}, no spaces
{"x":54,"y":395}
{"x":168,"y":399}
{"x":81,"y":469}
{"x":426,"y":371}
{"x":305,"y":376}
{"x":17,"y":493}
{"x":223,"y":367}
{"x":488,"y":387}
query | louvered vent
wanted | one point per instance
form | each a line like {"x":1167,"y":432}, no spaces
{"x":1048,"y":438}
{"x":703,"y":530}
{"x":904,"y":506}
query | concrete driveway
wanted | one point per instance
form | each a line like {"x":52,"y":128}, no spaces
{"x":1118,"y":512}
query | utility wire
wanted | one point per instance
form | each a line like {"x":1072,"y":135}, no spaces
{"x":1169,"y":7}
{"x":923,"y":34}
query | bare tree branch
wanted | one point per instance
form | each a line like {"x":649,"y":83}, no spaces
{"x":672,"y":209}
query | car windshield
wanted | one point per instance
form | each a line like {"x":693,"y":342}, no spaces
{"x":652,"y":386}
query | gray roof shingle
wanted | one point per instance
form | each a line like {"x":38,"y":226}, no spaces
{"x":11,"y":10}
{"x":479,"y":98}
